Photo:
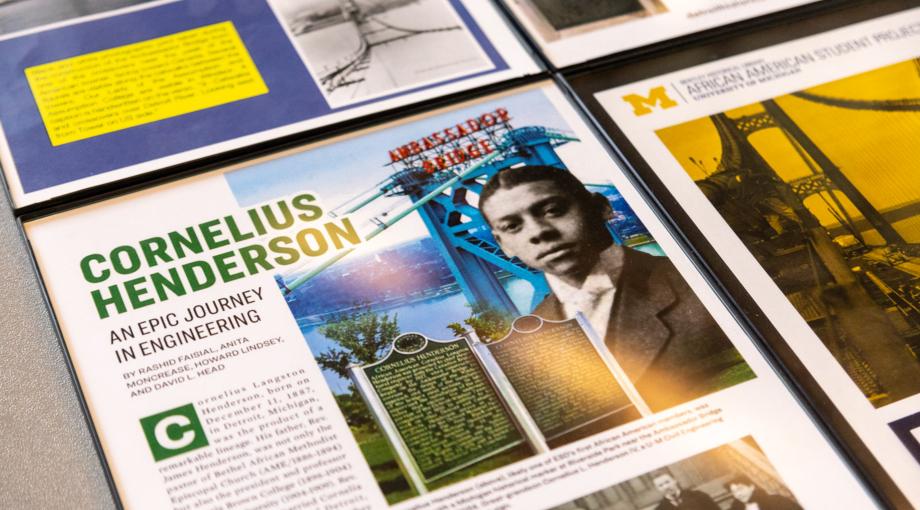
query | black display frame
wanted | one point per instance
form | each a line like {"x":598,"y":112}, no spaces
{"x":585,"y":81}
{"x":578,"y":82}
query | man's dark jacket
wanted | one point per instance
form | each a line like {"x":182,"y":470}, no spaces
{"x":659,"y":331}
{"x":689,"y":500}
{"x":767,"y":502}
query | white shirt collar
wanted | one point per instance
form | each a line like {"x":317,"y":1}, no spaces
{"x":594,"y":299}
{"x":597,"y":281}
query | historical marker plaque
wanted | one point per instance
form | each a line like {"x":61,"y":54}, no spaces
{"x":559,"y":375}
{"x":445,"y":410}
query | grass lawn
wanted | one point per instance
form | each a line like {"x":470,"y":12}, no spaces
{"x":386,"y":471}
{"x":394,"y":485}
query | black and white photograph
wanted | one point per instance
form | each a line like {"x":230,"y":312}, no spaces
{"x":556,"y":19}
{"x":16,"y":15}
{"x":838,"y":232}
{"x":360,"y":49}
{"x":734,"y":476}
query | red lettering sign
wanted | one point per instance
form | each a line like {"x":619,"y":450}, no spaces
{"x":465,"y":129}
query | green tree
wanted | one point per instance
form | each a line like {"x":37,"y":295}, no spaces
{"x":488,"y":322}
{"x":362,"y":337}
{"x":354,"y":409}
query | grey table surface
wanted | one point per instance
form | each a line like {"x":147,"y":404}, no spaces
{"x":46,"y":452}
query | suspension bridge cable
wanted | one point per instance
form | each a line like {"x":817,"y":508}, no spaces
{"x":881,"y":105}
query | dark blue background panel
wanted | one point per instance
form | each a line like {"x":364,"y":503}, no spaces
{"x":293,"y":94}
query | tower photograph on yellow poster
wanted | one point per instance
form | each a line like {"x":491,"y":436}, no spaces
{"x":821,"y":185}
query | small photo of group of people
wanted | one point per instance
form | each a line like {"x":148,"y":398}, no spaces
{"x":556,"y":19}
{"x":734,"y":476}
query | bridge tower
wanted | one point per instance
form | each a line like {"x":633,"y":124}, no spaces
{"x":858,"y":330}
{"x":443,"y":176}
{"x":459,"y":229}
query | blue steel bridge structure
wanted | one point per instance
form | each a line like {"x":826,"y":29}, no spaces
{"x":445,"y":199}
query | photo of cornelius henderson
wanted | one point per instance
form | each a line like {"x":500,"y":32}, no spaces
{"x":651,"y":321}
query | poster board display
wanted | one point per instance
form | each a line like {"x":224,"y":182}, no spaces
{"x":212,"y":321}
{"x":572,"y":32}
{"x":787,"y":162}
{"x":93,"y":92}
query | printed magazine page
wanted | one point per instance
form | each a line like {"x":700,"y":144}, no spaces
{"x":571,"y":32}
{"x":468,"y":309}
{"x":93,"y":91}
{"x":797,"y":163}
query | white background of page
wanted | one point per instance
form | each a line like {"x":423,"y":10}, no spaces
{"x":582,"y":47}
{"x":762,"y":408}
{"x":520,"y":63}
{"x":64,"y":240}
{"x":869,"y":423}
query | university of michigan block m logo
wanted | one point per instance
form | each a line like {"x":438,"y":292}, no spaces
{"x":657,"y":97}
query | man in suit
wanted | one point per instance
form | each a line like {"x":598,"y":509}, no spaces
{"x":748,"y":495}
{"x":678,"y":498}
{"x":651,"y":321}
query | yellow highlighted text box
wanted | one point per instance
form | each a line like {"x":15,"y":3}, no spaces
{"x":118,"y":88}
